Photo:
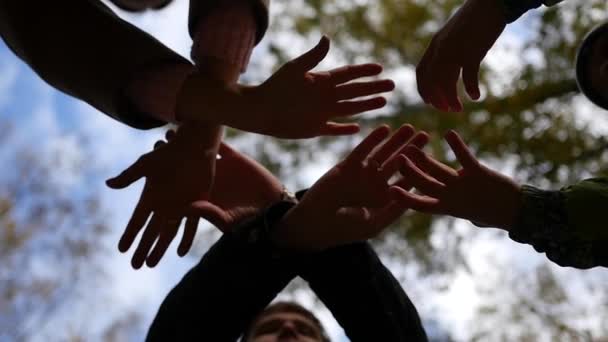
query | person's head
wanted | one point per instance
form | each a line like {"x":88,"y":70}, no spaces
{"x":285,"y":321}
{"x":141,"y":5}
{"x":592,"y":66}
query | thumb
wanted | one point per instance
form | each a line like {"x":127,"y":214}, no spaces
{"x":210,"y":212}
{"x":132,"y":174}
{"x":314,"y":56}
{"x":464,"y":156}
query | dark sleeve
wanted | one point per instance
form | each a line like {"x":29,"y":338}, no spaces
{"x":83,"y":49}
{"x":568,"y":224}
{"x":516,"y":8}
{"x":218,"y":298}
{"x":198,"y":8}
{"x":362,"y":294}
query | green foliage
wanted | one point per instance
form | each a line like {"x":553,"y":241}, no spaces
{"x":528,"y":123}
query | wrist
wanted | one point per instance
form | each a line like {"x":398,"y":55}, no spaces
{"x":200,"y":137}
{"x":513,"y":202}
{"x":203,"y":98}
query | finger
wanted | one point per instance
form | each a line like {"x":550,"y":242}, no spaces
{"x":130,"y":175}
{"x":420,"y":139}
{"x":450,"y":90}
{"x":170,"y":134}
{"x":432,"y":167}
{"x":461,"y":150}
{"x":159,"y":144}
{"x":411,"y":200}
{"x":438,"y":100}
{"x":147,"y":240}
{"x":392,"y":145}
{"x":360,"y":152}
{"x":351,"y":72}
{"x":389,"y":214}
{"x":470,"y":78}
{"x":358,"y":89}
{"x":226,"y":151}
{"x":210,"y":212}
{"x":334,"y":129}
{"x":313,"y":57}
{"x":136,"y":223}
{"x":188,"y":237}
{"x":167,"y":234}
{"x":424,"y":73}
{"x":391,"y":167}
{"x":347,"y":108}
{"x":419,"y":179}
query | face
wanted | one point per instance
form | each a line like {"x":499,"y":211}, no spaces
{"x":285,"y":327}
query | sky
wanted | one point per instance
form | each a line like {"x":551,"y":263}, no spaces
{"x":49,"y":119}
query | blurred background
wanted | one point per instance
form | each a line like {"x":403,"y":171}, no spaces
{"x":63,"y":279}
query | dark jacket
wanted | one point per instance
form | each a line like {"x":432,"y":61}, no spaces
{"x":85,"y":50}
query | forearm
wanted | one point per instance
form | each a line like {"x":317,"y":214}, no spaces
{"x":216,"y":300}
{"x":567,"y":225}
{"x":92,"y":55}
{"x":208,"y":100}
{"x":381,"y":312}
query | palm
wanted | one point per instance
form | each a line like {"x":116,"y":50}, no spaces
{"x":176,"y":175}
{"x":298,"y":103}
{"x":351,"y":202}
{"x":242,"y":187}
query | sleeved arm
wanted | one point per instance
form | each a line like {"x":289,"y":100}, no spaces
{"x":218,"y":298}
{"x":516,"y":8}
{"x":362,"y":294}
{"x":568,"y":225}
{"x":83,"y":49}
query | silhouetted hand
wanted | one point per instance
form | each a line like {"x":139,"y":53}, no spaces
{"x":351,"y":202}
{"x":297,"y":103}
{"x":474,"y":192}
{"x":232,"y":198}
{"x":461,"y":44}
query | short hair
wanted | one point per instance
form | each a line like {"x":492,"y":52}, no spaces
{"x":286,"y":307}
{"x":142,"y":5}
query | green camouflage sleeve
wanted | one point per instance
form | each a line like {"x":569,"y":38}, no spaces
{"x":568,"y":225}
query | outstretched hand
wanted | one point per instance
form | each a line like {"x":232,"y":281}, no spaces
{"x":176,"y":175}
{"x":474,"y":192}
{"x":297,"y":103}
{"x":461,"y":44}
{"x":352,"y":202}
{"x":220,"y":207}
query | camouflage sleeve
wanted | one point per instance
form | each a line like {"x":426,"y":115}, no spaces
{"x":567,"y":224}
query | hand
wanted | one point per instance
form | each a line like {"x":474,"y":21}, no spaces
{"x":351,"y":202}
{"x":296,"y":103}
{"x":475,"y":192}
{"x":462,"y":43}
{"x":177,"y":174}
{"x":241,"y":189}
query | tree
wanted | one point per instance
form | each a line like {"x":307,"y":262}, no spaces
{"x":51,"y":228}
{"x":530,"y":123}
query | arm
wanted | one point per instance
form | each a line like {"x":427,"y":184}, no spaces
{"x":567,"y":224}
{"x":218,"y":298}
{"x":90,"y":54}
{"x":460,"y":46}
{"x":363,"y":295}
